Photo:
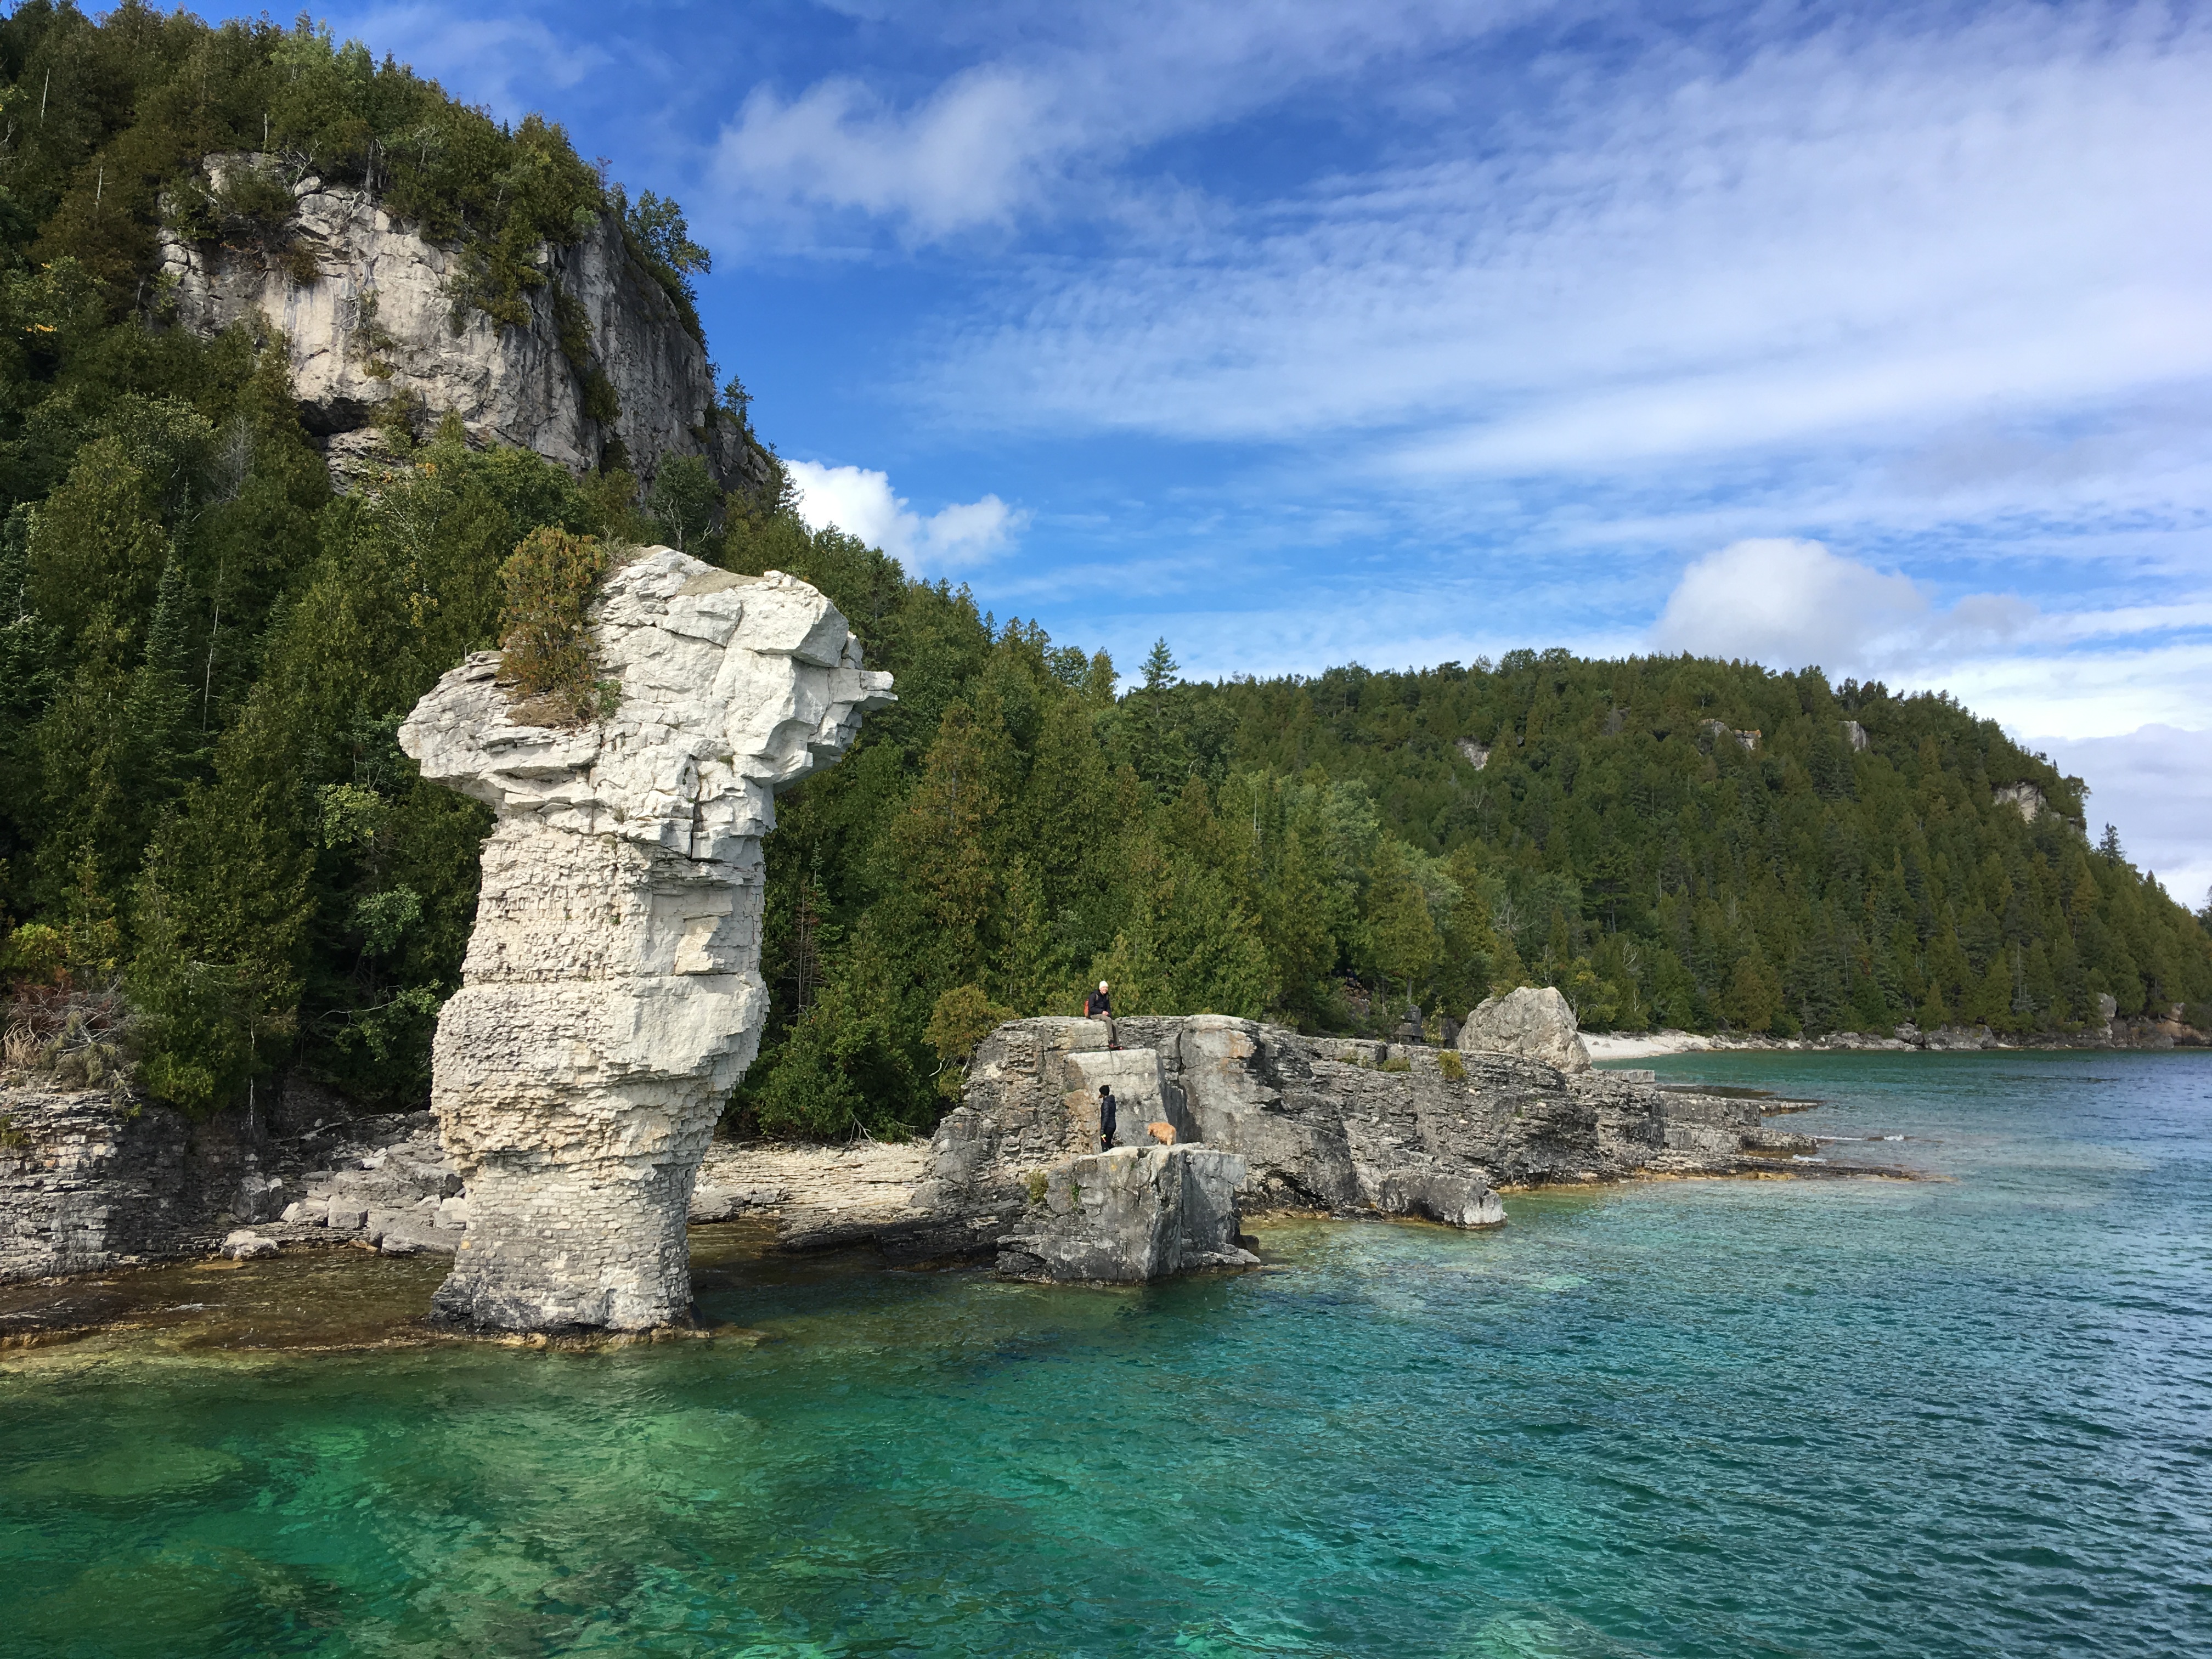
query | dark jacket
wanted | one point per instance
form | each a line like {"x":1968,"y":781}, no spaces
{"x":1108,"y":1109}
{"x":1098,"y":1006}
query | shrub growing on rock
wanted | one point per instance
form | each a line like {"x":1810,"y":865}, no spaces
{"x":545,"y":633}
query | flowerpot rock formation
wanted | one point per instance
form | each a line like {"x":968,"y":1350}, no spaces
{"x":611,"y":994}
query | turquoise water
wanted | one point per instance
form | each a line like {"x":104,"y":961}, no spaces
{"x":1971,"y":1415}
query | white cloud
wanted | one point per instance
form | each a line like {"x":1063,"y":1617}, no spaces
{"x":1787,"y":603}
{"x":1854,"y":238}
{"x":860,"y":502}
{"x":969,"y":155}
{"x":508,"y":62}
{"x":1032,"y":128}
{"x":2076,"y":695}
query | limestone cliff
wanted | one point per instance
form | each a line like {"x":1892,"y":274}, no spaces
{"x":372,"y":313}
{"x":611,"y":994}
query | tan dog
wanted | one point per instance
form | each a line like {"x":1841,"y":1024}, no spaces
{"x":1162,"y":1132}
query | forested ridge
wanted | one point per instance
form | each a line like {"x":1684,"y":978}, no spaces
{"x":218,"y":865}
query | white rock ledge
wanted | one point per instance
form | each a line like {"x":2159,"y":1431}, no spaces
{"x":611,"y":994}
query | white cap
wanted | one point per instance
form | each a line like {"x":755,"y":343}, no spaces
{"x":1101,"y":984}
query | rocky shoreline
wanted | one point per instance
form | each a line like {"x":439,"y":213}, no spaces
{"x":2114,"y":1033}
{"x":94,"y":1180}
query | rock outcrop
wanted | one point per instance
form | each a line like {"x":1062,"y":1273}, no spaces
{"x":1327,"y":1125}
{"x":94,"y":1179}
{"x":89,"y":1180}
{"x":1535,"y":1022}
{"x":373,"y":314}
{"x":1129,"y":1216}
{"x":612,"y":993}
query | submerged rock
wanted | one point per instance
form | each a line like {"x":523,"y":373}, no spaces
{"x":1534,"y":1021}
{"x":611,"y":994}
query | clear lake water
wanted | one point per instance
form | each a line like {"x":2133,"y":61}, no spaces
{"x":1969,"y":1414}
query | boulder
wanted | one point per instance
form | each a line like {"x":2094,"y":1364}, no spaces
{"x":611,"y":994}
{"x":1129,"y":1216}
{"x":244,"y":1244}
{"x":1535,"y":1022}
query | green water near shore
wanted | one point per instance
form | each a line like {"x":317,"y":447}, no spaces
{"x":1965,"y":1415}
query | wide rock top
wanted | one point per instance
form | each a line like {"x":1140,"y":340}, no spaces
{"x":731,"y":688}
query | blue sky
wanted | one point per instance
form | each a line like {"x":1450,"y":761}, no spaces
{"x":1399,"y":331}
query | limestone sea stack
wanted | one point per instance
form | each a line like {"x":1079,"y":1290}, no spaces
{"x":611,"y":994}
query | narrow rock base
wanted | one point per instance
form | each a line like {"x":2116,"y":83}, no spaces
{"x":552,"y":1250}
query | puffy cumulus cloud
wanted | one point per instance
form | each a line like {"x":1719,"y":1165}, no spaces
{"x":860,"y":502}
{"x":1786,"y":603}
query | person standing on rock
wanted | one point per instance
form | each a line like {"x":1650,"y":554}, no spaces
{"x":1108,"y":1111}
{"x":1099,"y":1004}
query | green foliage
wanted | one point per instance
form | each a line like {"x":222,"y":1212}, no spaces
{"x":545,"y":637}
{"x":961,"y":1018}
{"x":660,"y":240}
{"x":113,"y":117}
{"x":1324,"y":851}
{"x":685,"y":503}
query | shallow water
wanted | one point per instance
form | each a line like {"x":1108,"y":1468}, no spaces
{"x":1964,"y":1415}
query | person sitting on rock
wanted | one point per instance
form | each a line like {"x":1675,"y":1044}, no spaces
{"x":1109,"y":1110}
{"x":1099,"y":1004}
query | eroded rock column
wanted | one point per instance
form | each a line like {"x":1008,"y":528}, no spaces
{"x":611,"y":994}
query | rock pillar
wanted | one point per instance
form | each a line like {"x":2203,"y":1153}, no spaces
{"x":611,"y":994}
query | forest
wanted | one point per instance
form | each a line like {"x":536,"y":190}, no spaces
{"x":217,"y":867}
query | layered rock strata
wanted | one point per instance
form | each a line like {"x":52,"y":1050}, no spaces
{"x":1129,"y":1216}
{"x":612,"y":993}
{"x":380,"y":317}
{"x":96,"y":1179}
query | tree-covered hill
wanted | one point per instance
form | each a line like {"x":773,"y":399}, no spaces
{"x":216,"y":864}
{"x":1673,"y":841}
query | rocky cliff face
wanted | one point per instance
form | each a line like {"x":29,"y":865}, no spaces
{"x":1129,"y":1216}
{"x":611,"y":994}
{"x":373,"y":313}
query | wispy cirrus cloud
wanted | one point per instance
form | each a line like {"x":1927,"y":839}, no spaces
{"x":506,"y":61}
{"x":1040,"y":124}
{"x":1833,"y":239}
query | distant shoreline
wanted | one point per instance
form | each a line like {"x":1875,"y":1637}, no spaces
{"x":1606,"y":1046}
